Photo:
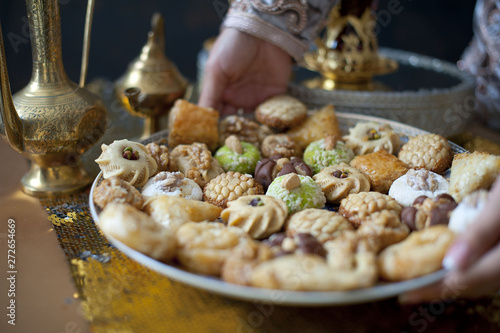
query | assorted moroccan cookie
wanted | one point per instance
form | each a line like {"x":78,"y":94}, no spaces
{"x":115,"y":189}
{"x":323,"y":224}
{"x":358,"y":207}
{"x":160,"y":154}
{"x":382,"y":229}
{"x":280,"y":144}
{"x":277,"y":165}
{"x":259,"y":215}
{"x":319,"y":124}
{"x":381,"y":168}
{"x":230,"y":186}
{"x":297,"y":191}
{"x":203,"y":247}
{"x":172,"y":212}
{"x":416,"y":183}
{"x":427,"y":151}
{"x":338,"y":181}
{"x":281,"y":112}
{"x":369,"y":137}
{"x":471,"y":172}
{"x":419,"y":254}
{"x":245,"y":129}
{"x":174,"y":184}
{"x":138,"y":231}
{"x":236,"y":155}
{"x":426,"y":212}
{"x":325,"y":152}
{"x":195,"y":161}
{"x":189,"y":123}
{"x":127,"y":160}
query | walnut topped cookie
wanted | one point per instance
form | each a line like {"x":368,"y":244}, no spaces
{"x":195,"y":161}
{"x":245,"y":129}
{"x":427,"y":151}
{"x":280,"y":144}
{"x":281,"y":112}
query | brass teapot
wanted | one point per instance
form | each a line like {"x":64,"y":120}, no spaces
{"x":52,"y":121}
{"x":152,"y":82}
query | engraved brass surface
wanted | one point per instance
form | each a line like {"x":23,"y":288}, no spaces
{"x":152,"y":82}
{"x":52,"y":120}
{"x":347,"y":55}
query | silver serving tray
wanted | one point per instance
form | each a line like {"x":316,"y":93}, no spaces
{"x":283,"y":297}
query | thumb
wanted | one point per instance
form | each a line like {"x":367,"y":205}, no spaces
{"x":480,"y":236}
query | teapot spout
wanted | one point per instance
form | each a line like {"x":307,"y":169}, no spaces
{"x":12,"y":125}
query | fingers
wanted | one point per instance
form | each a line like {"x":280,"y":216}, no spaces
{"x":213,"y":86}
{"x":480,"y":236}
{"x":480,"y":279}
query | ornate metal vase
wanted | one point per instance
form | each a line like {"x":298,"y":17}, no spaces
{"x":52,"y":121}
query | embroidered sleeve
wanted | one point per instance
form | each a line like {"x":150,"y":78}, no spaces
{"x":482,"y":58}
{"x":289,"y":24}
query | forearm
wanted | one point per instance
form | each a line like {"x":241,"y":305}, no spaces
{"x":289,"y":24}
{"x":482,"y":59}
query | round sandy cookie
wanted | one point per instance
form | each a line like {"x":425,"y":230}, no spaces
{"x":427,"y":151}
{"x":204,"y":246}
{"x":280,"y":144}
{"x":230,"y":186}
{"x":419,"y":254}
{"x":281,"y":112}
{"x":259,"y":215}
{"x":128,"y":160}
{"x":340,"y":180}
{"x":358,"y":207}
{"x":324,"y":225}
{"x":115,"y":189}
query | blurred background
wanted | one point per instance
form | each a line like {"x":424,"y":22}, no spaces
{"x":440,"y":29}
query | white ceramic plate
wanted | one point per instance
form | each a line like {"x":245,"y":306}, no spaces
{"x":284,"y":297}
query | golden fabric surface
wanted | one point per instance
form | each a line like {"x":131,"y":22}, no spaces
{"x":120,"y":295}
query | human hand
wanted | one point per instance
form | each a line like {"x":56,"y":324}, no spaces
{"x":242,"y":71}
{"x":473,"y":260}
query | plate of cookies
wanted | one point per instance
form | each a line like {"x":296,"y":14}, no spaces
{"x":295,"y":207}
